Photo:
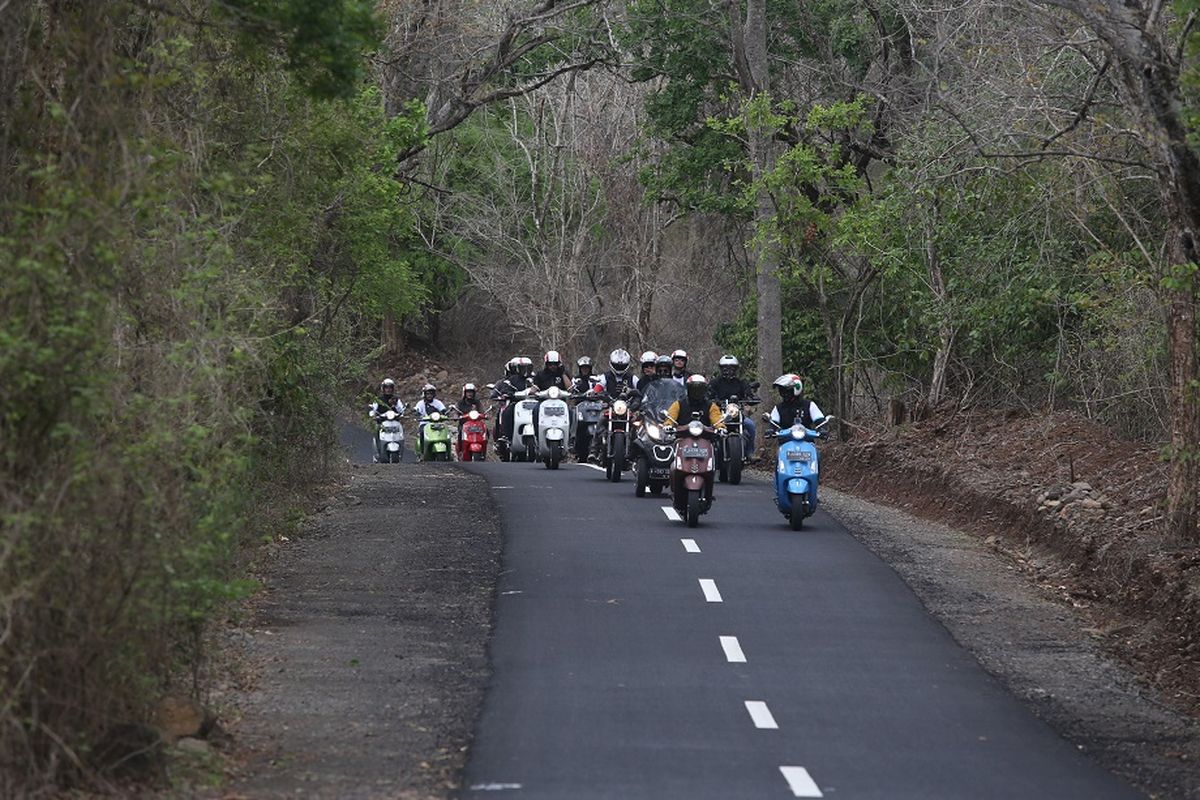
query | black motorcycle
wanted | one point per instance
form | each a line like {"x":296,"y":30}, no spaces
{"x":731,"y":455}
{"x":612,"y":435}
{"x":653,"y":455}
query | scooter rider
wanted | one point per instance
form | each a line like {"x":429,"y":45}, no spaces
{"x":514,"y":381}
{"x":696,"y":402}
{"x":616,"y":380}
{"x":649,"y":361}
{"x":679,"y":370}
{"x":424,"y":407}
{"x":793,"y":407}
{"x":727,"y":385}
{"x":469,"y":401}
{"x":584,"y":380}
{"x":387,"y":400}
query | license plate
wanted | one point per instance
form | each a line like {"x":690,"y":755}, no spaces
{"x":659,"y":473}
{"x":798,"y":455}
{"x":554,"y":412}
{"x":694,"y":452}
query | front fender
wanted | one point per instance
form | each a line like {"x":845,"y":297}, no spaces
{"x":693,"y":482}
{"x":554,"y":434}
{"x":797,"y":486}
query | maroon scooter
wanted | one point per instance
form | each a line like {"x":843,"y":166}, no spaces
{"x":693,"y":472}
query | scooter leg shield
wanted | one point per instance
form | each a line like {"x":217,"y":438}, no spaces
{"x":554,"y":435}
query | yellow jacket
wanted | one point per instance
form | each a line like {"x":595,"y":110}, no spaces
{"x":715,"y":418}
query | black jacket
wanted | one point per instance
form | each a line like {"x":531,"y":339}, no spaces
{"x":545,"y":379}
{"x":724,"y":388}
{"x":793,"y":410}
{"x":510,"y":384}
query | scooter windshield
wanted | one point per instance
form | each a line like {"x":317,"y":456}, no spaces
{"x":659,"y":396}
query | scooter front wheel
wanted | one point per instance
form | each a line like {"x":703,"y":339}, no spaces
{"x":693,"y":508}
{"x":796,"y":517}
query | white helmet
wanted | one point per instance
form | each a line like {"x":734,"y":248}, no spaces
{"x":468,"y":387}
{"x":387,"y":385}
{"x":649,"y":357}
{"x":429,"y":387}
{"x":619,"y":361}
{"x":552,"y":357}
{"x":526,"y":365}
{"x":789,"y":384}
{"x":681,"y":353}
{"x":727,"y":361}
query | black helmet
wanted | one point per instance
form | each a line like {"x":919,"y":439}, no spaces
{"x":697,"y":387}
{"x":662,"y":365}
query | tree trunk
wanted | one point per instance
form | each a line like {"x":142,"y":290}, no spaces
{"x":762,"y":157}
{"x":937,"y":285}
{"x":1185,"y":410}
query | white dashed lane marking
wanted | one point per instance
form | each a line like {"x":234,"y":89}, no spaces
{"x":672,"y":514}
{"x":709,"y":587}
{"x":593,"y":466}
{"x":761,"y":715}
{"x":733,"y":650}
{"x":690,"y":545}
{"x":494,"y":787}
{"x":800,"y":782}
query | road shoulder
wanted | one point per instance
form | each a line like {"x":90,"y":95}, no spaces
{"x":1041,"y":649}
{"x":368,"y":642}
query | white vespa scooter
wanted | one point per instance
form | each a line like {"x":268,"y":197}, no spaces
{"x":389,"y":439}
{"x":554,"y":426}
{"x":524,"y":445}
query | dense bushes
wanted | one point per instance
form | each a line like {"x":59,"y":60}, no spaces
{"x":197,"y":211}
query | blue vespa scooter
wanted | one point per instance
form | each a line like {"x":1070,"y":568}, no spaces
{"x":796,"y":471}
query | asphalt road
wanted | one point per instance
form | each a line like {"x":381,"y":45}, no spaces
{"x":636,"y":658}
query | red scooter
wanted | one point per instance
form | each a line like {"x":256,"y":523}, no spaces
{"x":472,"y":436}
{"x":693,"y":471}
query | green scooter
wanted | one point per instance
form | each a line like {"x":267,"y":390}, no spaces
{"x":435,"y":439}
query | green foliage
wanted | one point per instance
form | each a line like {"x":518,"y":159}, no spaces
{"x":190,"y":236}
{"x":324,"y":40}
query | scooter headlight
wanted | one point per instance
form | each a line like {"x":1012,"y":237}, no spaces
{"x":797,"y":431}
{"x":554,"y":393}
{"x":620,"y":407}
{"x":474,"y":414}
{"x":732,"y":410}
{"x":435,"y":417}
{"x":695,"y":428}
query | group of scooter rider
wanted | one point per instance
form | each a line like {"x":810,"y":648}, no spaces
{"x":679,"y":396}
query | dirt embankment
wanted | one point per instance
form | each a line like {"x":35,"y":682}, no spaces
{"x":1079,"y":510}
